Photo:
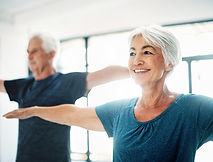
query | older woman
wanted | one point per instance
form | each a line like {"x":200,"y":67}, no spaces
{"x":160,"y":125}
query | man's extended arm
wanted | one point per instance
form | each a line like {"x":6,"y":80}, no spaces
{"x":107,"y":74}
{"x":2,"y":88}
{"x":66,"y":114}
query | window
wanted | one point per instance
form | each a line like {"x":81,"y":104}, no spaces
{"x":178,"y":80}
{"x":201,"y":77}
{"x":72,"y":56}
{"x":72,"y":59}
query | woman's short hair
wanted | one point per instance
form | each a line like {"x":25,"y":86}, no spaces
{"x":162,"y":38}
{"x":49,"y":43}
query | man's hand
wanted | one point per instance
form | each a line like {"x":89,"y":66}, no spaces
{"x":2,"y":88}
{"x":23,"y":113}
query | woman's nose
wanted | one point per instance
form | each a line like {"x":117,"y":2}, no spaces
{"x":138,"y":60}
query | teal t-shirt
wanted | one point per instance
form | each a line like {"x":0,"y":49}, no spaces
{"x":173,"y":136}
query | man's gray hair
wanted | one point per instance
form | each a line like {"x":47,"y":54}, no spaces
{"x":49,"y":42}
{"x":162,"y":38}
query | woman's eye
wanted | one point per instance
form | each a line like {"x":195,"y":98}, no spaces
{"x":148,"y":53}
{"x":132,"y":54}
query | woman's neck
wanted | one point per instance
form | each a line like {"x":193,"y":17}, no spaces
{"x":156,"y":97}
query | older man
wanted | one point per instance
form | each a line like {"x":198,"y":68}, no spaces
{"x":40,"y":140}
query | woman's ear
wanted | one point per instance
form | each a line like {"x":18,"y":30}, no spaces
{"x":169,"y":67}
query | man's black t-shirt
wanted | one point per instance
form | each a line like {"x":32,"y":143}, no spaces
{"x":40,"y":140}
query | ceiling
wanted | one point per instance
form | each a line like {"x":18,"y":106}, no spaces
{"x":70,"y":18}
{"x":12,"y":11}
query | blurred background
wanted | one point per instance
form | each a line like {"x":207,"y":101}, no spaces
{"x":95,"y":33}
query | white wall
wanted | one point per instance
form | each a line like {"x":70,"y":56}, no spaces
{"x":12,"y":65}
{"x":66,"y":18}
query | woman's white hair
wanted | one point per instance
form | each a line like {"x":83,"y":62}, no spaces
{"x":162,"y":38}
{"x":49,"y":43}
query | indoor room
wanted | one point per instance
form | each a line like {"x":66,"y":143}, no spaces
{"x":92,"y":35}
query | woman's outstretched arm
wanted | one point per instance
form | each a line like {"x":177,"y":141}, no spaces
{"x":66,"y":114}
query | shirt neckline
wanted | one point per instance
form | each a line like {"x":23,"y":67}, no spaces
{"x":40,"y":83}
{"x":48,"y":78}
{"x":156,"y":118}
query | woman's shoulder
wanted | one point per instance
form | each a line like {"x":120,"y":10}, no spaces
{"x":195,"y":97}
{"x":194,"y":100}
{"x":121,"y":104}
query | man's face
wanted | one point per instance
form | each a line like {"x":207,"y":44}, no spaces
{"x":38,"y":59}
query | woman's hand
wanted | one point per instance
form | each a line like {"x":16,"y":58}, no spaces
{"x":22,"y":113}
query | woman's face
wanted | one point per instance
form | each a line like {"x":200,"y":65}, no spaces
{"x":146,"y":62}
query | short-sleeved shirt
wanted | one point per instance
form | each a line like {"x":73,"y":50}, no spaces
{"x":40,"y":140}
{"x":173,"y":136}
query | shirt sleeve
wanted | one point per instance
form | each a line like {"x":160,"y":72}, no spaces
{"x":76,"y":83}
{"x":205,"y":118}
{"x":108,"y":112}
{"x":16,"y":88}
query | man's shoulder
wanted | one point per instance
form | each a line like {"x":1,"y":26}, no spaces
{"x":73,"y":75}
{"x":27,"y":79}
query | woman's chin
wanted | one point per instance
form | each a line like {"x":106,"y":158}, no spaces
{"x":140,"y":82}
